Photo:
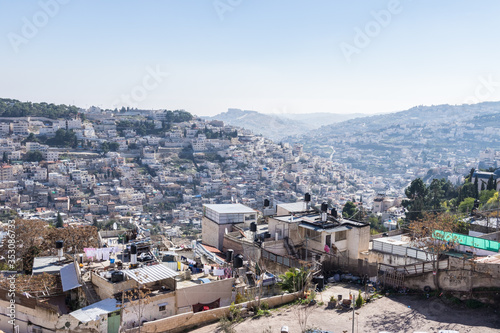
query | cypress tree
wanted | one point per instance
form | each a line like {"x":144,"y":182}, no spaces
{"x":59,"y":223}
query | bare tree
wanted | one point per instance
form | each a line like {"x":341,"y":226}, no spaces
{"x":136,"y":298}
{"x":302,"y":313}
{"x":428,"y":234}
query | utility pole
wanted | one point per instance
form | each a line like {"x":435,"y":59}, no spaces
{"x":306,"y":247}
{"x":352,"y":302}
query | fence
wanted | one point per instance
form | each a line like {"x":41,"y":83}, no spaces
{"x":412,"y":269}
{"x":402,"y":251}
{"x":395,"y":275}
{"x":285,"y":261}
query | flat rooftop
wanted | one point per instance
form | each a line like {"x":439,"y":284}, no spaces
{"x":50,"y":264}
{"x":294,"y":207}
{"x":230,"y":208}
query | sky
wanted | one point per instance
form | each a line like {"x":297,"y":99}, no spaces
{"x":282,"y":56}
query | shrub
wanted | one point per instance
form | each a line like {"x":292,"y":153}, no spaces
{"x":234,"y":313}
{"x":312,"y":296}
{"x":240,"y":298}
{"x":473,"y":304}
{"x":359,"y":301}
{"x":225,"y":326}
{"x":261,"y":312}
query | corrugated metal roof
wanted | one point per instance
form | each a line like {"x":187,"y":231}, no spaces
{"x":94,"y":311}
{"x":69,"y":278}
{"x":149,"y":274}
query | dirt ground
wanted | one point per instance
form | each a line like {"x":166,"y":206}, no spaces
{"x":396,"y":313}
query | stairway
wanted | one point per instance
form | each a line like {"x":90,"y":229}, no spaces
{"x":90,"y":293}
{"x":289,"y":248}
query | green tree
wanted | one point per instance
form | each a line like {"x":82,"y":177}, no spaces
{"x":476,"y":188}
{"x":436,"y":194}
{"x":486,"y":195}
{"x":33,"y":156}
{"x":31,"y":138}
{"x":15,"y":108}
{"x":491,"y":183}
{"x":294,"y":279}
{"x":113,"y":146}
{"x":469,"y":178}
{"x":417,"y":196}
{"x":60,"y":222}
{"x":349,"y":209}
{"x":63,"y":138}
{"x":466,"y":205}
{"x":5,"y":157}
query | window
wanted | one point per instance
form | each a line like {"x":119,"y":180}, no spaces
{"x":162,"y":308}
{"x":341,"y":235}
{"x":312,"y":234}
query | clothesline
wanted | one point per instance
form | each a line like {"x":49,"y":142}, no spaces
{"x":100,"y":253}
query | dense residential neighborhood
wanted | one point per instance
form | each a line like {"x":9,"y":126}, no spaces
{"x":157,"y":221}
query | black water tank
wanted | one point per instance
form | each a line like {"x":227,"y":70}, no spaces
{"x":117,"y":276}
{"x":133,"y":249}
{"x":238,"y":261}
{"x":59,"y":244}
{"x":324,"y":207}
{"x":229,"y":255}
{"x":266,"y":203}
{"x":253,"y":227}
{"x":319,"y":281}
{"x":334,"y":213}
{"x":307,"y":197}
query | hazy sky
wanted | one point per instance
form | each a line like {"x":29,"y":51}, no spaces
{"x":271,"y":56}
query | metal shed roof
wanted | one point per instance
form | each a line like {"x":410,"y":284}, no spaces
{"x":94,"y":311}
{"x":69,"y":278}
{"x":149,"y":274}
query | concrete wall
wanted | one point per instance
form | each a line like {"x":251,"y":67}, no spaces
{"x":31,"y":313}
{"x":453,"y":280}
{"x":205,"y":293}
{"x":276,"y":247}
{"x":107,"y":289}
{"x":248,"y":250}
{"x":487,"y":268}
{"x":213,"y":234}
{"x":494,"y":236}
{"x":37,"y":315}
{"x":148,"y":309}
{"x":358,"y":240}
{"x":184,"y":321}
{"x":387,"y":258}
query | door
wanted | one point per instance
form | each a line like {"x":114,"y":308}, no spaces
{"x":113,"y":322}
{"x":329,"y":240}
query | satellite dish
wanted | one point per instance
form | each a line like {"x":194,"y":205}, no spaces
{"x":115,"y":226}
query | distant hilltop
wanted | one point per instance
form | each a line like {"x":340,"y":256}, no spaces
{"x":278,"y":126}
